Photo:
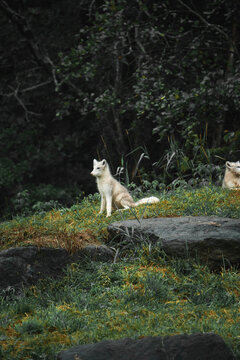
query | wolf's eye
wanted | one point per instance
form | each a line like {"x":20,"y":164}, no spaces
{"x":98,"y":168}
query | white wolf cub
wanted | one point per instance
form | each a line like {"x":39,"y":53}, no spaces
{"x":232,"y":175}
{"x":113,"y":194}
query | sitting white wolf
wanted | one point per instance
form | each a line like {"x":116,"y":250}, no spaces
{"x":113,"y":194}
{"x":232,"y":176}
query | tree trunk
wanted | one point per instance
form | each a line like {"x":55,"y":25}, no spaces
{"x":230,"y":64}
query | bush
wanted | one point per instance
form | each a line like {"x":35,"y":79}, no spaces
{"x":42,"y":198}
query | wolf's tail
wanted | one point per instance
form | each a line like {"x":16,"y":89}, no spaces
{"x":149,"y":200}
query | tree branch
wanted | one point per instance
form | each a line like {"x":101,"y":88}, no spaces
{"x":217,"y":28}
{"x":32,"y":88}
{"x":21,"y":103}
{"x":40,"y":55}
{"x":20,"y":21}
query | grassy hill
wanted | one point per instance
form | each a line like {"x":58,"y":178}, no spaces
{"x":144,"y":293}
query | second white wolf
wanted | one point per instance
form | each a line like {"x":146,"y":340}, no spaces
{"x":232,"y":176}
{"x":114,"y":195}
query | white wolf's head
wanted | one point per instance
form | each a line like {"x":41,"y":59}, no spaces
{"x":99,"y":167}
{"x":234,"y":167}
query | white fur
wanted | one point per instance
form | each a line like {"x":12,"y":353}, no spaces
{"x":113,"y":194}
{"x":232,"y":175}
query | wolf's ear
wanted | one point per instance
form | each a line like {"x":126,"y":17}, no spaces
{"x":94,"y":162}
{"x":104,"y":162}
{"x":228,"y":164}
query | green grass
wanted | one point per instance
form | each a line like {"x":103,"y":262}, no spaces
{"x":151,"y":295}
{"x":146,"y":293}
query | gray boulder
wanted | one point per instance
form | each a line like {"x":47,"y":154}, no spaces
{"x":179,"y":347}
{"x":26,"y":265}
{"x":210,"y":238}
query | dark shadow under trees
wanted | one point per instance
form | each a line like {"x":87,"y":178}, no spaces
{"x":126,"y":81}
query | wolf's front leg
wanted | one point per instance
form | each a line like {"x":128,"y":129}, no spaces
{"x":109,"y":204}
{"x":103,"y":204}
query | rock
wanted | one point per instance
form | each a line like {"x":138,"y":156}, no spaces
{"x":210,"y":238}
{"x":101,"y":253}
{"x":26,"y":265}
{"x":180,"y":347}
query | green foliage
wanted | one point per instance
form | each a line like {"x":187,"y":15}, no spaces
{"x":9,"y":172}
{"x":177,"y":85}
{"x":196,"y":169}
{"x":40,"y":199}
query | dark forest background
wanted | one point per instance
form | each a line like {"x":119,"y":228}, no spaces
{"x":152,"y":86}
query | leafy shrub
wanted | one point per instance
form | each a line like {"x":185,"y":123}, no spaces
{"x":42,"y":198}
